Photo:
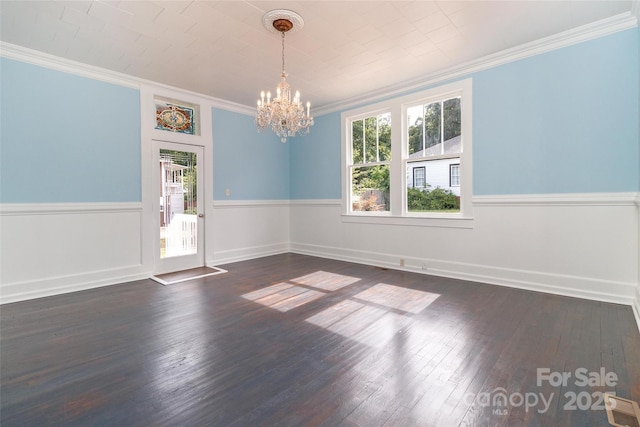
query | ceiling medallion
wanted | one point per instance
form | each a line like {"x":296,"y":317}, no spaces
{"x":285,"y":116}
{"x":272,"y":16}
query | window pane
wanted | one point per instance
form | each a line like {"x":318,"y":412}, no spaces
{"x":432,"y":120}
{"x":370,"y":188}
{"x":371,"y":140}
{"x":415,"y":133}
{"x":384,"y":137}
{"x":452,"y":118}
{"x":437,"y":194}
{"x":356,"y":138}
{"x":178,"y":203}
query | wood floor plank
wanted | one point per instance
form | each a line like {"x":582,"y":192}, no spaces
{"x":297,"y":340}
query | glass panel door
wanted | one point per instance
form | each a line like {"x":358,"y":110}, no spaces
{"x":180,"y":207}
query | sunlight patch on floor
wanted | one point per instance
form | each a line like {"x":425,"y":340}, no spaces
{"x":287,"y":295}
{"x":366,"y":321}
{"x":366,"y":324}
{"x":283,"y":296}
{"x":372,"y":317}
{"x":326,"y":281}
{"x":404,"y":299}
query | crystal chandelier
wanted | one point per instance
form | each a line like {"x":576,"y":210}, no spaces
{"x":286,"y":116}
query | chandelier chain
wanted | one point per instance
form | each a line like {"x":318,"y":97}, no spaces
{"x":283,"y":51}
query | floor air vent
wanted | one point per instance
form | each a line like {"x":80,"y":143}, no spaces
{"x":622,"y":412}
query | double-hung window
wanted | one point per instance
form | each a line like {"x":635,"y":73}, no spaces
{"x":408,"y":159}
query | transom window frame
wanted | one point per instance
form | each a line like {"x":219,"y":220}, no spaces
{"x":398,"y":213}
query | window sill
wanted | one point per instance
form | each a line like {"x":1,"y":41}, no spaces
{"x":440,"y":221}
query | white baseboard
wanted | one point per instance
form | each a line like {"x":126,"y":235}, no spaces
{"x":571,"y":286}
{"x":244,"y":254}
{"x":15,"y":292}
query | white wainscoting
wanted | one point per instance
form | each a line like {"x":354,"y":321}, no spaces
{"x":247,"y":229}
{"x":50,"y":249}
{"x":583,"y":246}
{"x":576,"y":245}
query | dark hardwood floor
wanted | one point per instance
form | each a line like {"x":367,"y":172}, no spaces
{"x":292,"y":340}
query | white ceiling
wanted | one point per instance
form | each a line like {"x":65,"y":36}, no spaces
{"x":345,"y":50}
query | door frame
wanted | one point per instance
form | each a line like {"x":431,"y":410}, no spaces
{"x":150,"y":201}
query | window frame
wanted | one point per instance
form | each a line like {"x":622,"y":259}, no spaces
{"x":424,"y":176}
{"x":398,"y":213}
{"x":451,"y":166}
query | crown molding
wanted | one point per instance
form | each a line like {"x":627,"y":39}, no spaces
{"x":635,"y":9}
{"x":594,"y":30}
{"x":46,"y":60}
{"x":570,"y":37}
{"x":30,"y":56}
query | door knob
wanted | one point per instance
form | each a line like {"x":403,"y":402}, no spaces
{"x":200,"y":215}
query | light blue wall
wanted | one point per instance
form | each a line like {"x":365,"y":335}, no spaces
{"x":65,"y":138}
{"x":565,"y":121}
{"x":317,"y":174}
{"x":252,"y":165}
{"x":561,"y":122}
